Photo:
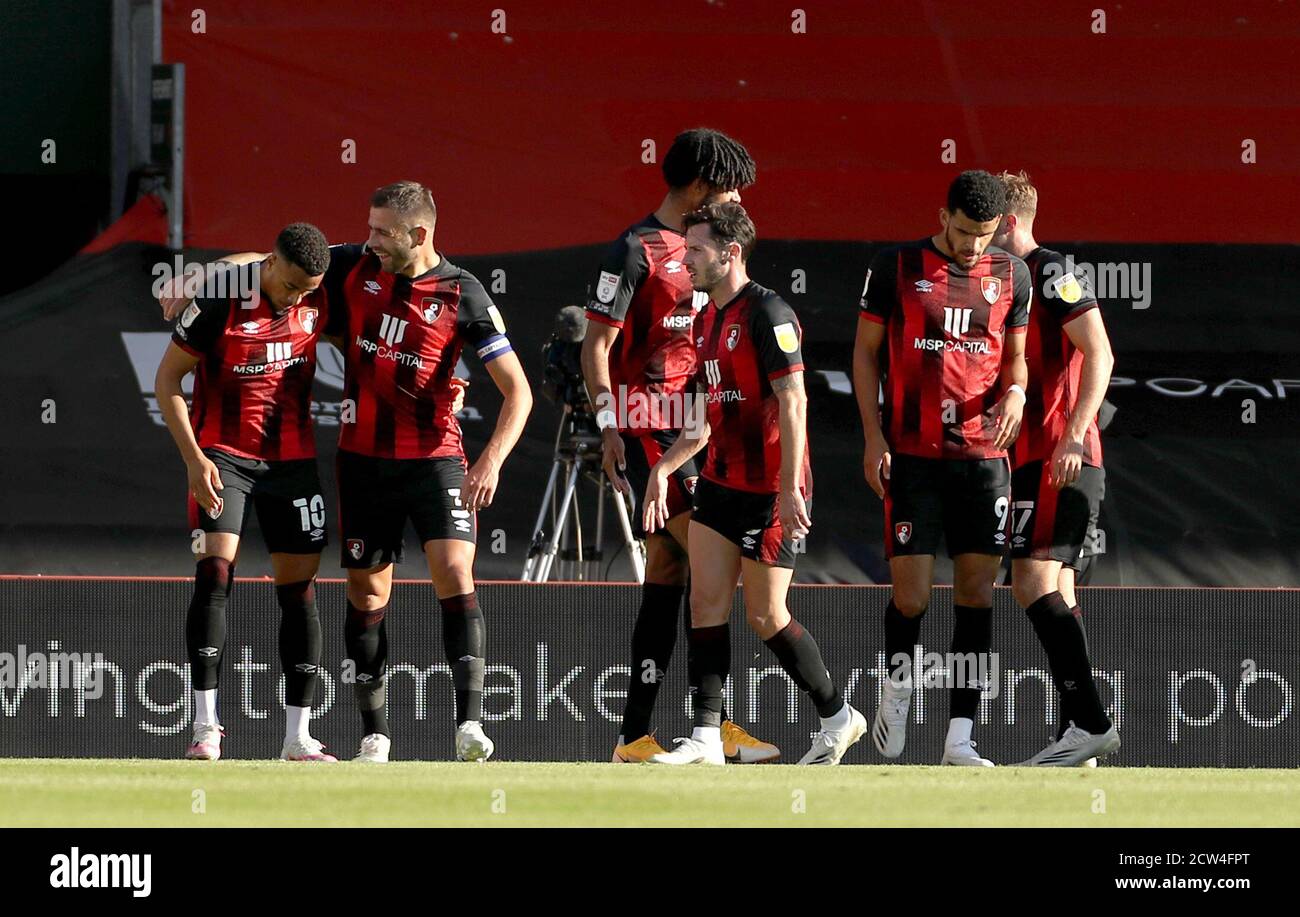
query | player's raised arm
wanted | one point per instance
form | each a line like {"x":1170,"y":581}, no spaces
{"x":173,"y":297}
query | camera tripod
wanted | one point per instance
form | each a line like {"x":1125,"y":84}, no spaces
{"x":557,"y":534}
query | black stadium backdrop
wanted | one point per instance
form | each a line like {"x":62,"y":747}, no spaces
{"x":1193,"y":677}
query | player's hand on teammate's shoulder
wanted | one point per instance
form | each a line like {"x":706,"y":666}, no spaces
{"x":205,"y":481}
{"x":1067,"y":462}
{"x":793,"y":513}
{"x":613,"y":458}
{"x":171,"y":296}
{"x":655,"y":512}
{"x":481,"y":483}
{"x":876,"y":462}
{"x":1007,"y":414}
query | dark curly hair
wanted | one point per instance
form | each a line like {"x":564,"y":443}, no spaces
{"x":703,"y":153}
{"x":304,"y":245}
{"x":978,"y":194}
{"x":728,"y":223}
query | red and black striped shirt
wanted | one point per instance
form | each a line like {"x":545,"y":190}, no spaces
{"x":1055,"y":364}
{"x":645,"y":291}
{"x":741,"y":346}
{"x":402,"y":339}
{"x":945,"y":327}
{"x":252,"y":387}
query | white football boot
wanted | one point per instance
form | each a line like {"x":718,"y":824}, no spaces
{"x":889,"y":731}
{"x":306,"y":749}
{"x":1076,"y":748}
{"x":374,"y":749}
{"x":206,"y":744}
{"x":692,"y":751}
{"x":471,"y":743}
{"x":963,"y":753}
{"x":829,"y":745}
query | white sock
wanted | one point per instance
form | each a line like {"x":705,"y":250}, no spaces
{"x":959,"y":728}
{"x":205,"y":707}
{"x":710,"y":734}
{"x":295,"y":722}
{"x":839,"y":720}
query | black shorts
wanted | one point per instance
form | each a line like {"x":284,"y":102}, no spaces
{"x":286,"y":495}
{"x":748,"y":520}
{"x":965,"y":501}
{"x":378,"y":495}
{"x":1050,"y":524}
{"x":641,"y":452}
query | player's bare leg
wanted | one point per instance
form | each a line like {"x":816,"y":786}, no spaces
{"x":300,"y":649}
{"x":715,"y":567}
{"x":913,"y":577}
{"x":972,"y":640}
{"x":766,"y":588}
{"x":205,"y":637}
{"x":1089,"y":734}
{"x":464,"y":638}
{"x":367,"y":647}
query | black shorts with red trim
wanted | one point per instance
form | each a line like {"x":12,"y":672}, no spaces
{"x":641,"y":451}
{"x":1051,"y":524}
{"x":286,"y":495}
{"x":963,"y":501}
{"x":378,"y":495}
{"x":748,"y":520}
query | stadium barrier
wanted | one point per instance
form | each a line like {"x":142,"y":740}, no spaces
{"x":1194,"y":677}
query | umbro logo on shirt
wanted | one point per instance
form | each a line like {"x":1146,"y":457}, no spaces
{"x":924,"y":286}
{"x":373,"y":287}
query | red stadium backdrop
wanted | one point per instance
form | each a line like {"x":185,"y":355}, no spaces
{"x":533,"y":139}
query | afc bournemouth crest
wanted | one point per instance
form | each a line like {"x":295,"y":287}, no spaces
{"x":356,"y":547}
{"x":307,"y":318}
{"x":903,"y":532}
{"x":432,"y":308}
{"x":991,"y":287}
{"x":733,"y":336}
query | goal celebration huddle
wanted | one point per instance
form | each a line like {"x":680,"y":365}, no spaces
{"x":980,"y":361}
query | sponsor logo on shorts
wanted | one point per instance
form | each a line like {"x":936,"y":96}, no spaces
{"x":902,"y":532}
{"x":356,"y":547}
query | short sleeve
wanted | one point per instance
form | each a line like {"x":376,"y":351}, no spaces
{"x":343,"y":258}
{"x":1062,"y":290}
{"x":879,"y":290}
{"x":479,"y":321}
{"x":622,"y":271}
{"x":1022,"y":296}
{"x":777,"y":337}
{"x":202,"y":324}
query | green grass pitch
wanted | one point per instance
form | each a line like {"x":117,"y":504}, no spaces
{"x":104,"y":793}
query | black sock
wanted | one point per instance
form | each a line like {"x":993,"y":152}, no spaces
{"x":708,"y":664}
{"x":367,"y":647}
{"x":464,"y":638}
{"x":901,"y":634}
{"x":1061,"y":635}
{"x":205,"y":622}
{"x":653,"y":638}
{"x":799,"y":655}
{"x":972,"y":635}
{"x":686,"y":622}
{"x":300,"y":642}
